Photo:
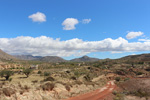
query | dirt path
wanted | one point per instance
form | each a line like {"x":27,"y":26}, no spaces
{"x":97,"y":94}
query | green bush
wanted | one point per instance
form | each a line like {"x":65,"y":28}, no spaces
{"x":46,"y":73}
{"x":39,"y":72}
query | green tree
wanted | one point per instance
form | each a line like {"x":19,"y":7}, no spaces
{"x":27,"y":72}
{"x":6,"y":74}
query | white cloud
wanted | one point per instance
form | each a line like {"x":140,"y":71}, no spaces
{"x":133,"y":54}
{"x":86,"y":21}
{"x":144,"y":40}
{"x":113,"y":52}
{"x":132,"y":35}
{"x":69,"y":23}
{"x":38,"y":17}
{"x":44,"y":46}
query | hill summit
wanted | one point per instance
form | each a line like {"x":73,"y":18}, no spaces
{"x":85,"y":59}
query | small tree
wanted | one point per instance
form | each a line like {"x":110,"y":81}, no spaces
{"x":6,"y":74}
{"x":27,"y":72}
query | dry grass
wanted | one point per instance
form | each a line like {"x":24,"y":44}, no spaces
{"x":17,"y":78}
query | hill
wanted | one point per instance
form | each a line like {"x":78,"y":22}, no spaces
{"x":140,"y":57}
{"x":27,"y":57}
{"x":85,"y":59}
{"x":52,"y":59}
{"x":5,"y":56}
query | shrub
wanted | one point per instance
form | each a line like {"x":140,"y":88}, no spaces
{"x":139,"y":73}
{"x":22,"y":91}
{"x":117,"y":79}
{"x":35,"y":81}
{"x":19,"y":85}
{"x":73,"y":78}
{"x":10,"y":79}
{"x":67,"y":71}
{"x":126,"y":79}
{"x":26,"y":88}
{"x":8,"y":91}
{"x":140,"y":93}
{"x":39,"y":72}
{"x":76,"y":73}
{"x":87,"y":77}
{"x":114,"y":92}
{"x":27,"y":72}
{"x":119,"y":96}
{"x":49,"y":79}
{"x":78,"y":82}
{"x":48,"y":86}
{"x":46,"y":73}
{"x":67,"y":88}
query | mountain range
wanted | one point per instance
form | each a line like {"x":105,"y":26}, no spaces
{"x":5,"y":56}
{"x":55,"y":58}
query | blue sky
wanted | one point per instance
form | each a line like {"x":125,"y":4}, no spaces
{"x":107,"y":19}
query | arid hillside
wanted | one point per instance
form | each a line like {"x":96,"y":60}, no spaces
{"x":56,"y":80}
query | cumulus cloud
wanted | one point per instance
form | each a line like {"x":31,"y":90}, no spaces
{"x":69,"y":23}
{"x":132,"y":35}
{"x":86,"y":21}
{"x":38,"y":17}
{"x":44,"y":46}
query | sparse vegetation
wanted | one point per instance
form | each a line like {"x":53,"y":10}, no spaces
{"x":69,"y":76}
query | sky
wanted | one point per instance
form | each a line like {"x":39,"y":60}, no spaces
{"x":74,"y":28}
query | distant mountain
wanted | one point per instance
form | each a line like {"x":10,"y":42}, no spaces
{"x":27,"y":57}
{"x":85,"y":59}
{"x":140,"y":57}
{"x":5,"y":56}
{"x":52,"y":59}
{"x":40,"y":58}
